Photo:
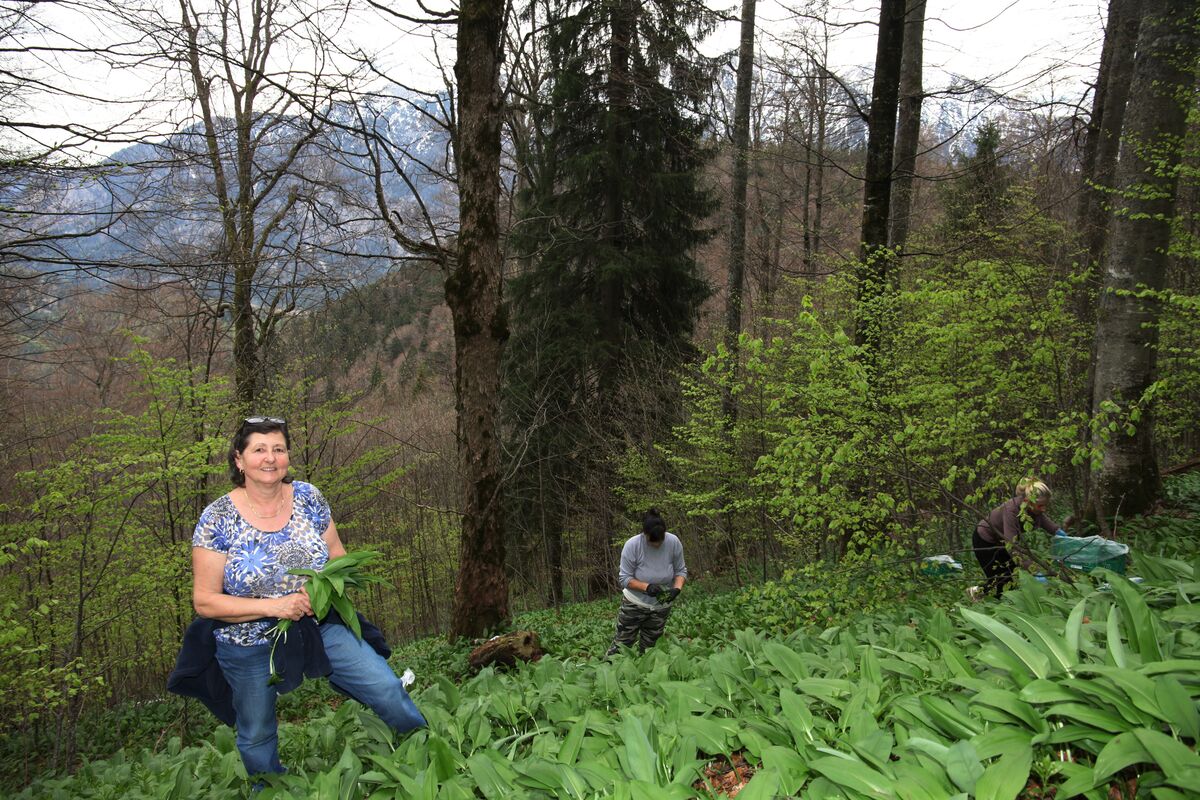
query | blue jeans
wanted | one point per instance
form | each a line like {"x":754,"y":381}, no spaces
{"x":357,"y":670}
{"x":365,"y":675}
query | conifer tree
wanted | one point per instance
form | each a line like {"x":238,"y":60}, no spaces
{"x":977,"y":202}
{"x":611,"y":212}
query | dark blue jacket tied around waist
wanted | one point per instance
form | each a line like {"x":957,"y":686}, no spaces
{"x":301,"y":655}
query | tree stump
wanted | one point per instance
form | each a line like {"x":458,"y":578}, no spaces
{"x":506,"y":650}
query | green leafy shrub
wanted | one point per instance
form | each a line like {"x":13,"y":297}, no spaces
{"x":825,"y":458}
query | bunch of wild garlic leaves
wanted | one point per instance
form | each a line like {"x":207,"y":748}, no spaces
{"x":328,"y":588}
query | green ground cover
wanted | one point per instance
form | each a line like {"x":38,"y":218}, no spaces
{"x":844,"y":683}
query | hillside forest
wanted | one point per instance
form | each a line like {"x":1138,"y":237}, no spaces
{"x":516,"y":272}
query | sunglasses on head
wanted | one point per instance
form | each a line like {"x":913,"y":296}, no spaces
{"x":261,"y":420}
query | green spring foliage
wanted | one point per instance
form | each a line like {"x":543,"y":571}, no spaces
{"x":981,"y":381}
{"x":95,"y":549}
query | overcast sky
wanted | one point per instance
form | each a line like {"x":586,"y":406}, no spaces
{"x":973,"y":38}
{"x":1008,"y":42}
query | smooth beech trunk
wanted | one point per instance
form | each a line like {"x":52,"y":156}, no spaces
{"x":1099,"y":158}
{"x":908,"y":128}
{"x":874,"y":260}
{"x":1162,"y":92}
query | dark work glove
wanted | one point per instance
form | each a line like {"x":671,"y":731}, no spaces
{"x":672,"y":593}
{"x":654,"y":590}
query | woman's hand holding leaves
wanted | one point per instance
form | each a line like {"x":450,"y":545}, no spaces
{"x":324,"y":589}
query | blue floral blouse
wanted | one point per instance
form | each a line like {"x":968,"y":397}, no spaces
{"x":257,"y":562}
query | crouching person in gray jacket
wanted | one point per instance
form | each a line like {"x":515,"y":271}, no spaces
{"x":651,"y":577}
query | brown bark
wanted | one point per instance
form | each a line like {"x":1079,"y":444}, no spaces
{"x":1163,"y":90}
{"x":506,"y":651}
{"x":737,"y":246}
{"x":908,"y":128}
{"x":473,"y":292}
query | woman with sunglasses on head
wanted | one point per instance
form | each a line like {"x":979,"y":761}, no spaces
{"x":242,"y":550}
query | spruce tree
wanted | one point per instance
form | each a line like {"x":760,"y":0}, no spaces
{"x":979,"y":202}
{"x":612,"y":210}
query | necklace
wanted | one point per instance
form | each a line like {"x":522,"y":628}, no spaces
{"x":268,"y":514}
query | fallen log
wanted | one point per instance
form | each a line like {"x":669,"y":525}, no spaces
{"x":1186,"y":466}
{"x":506,"y":650}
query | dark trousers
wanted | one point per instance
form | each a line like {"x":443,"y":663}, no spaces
{"x":998,"y":566}
{"x":640,"y":624}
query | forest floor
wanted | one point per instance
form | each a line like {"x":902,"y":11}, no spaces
{"x":871,"y":680}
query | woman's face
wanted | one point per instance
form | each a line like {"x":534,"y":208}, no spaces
{"x":1037,"y":506}
{"x":265,"y":459}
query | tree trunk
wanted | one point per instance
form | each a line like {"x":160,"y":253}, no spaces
{"x":245,"y":343}
{"x":737,"y":252}
{"x":810,"y":122}
{"x":552,"y":522}
{"x":473,"y":293}
{"x":242,"y":193}
{"x":741,"y":171}
{"x":237,"y":218}
{"x":874,"y":267}
{"x":1099,"y":157}
{"x":1099,"y":161}
{"x":601,"y":534}
{"x":1161,"y":95}
{"x":874,"y":261}
{"x":622,"y":20}
{"x":908,"y":129}
{"x":554,"y":563}
{"x":822,"y":101}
